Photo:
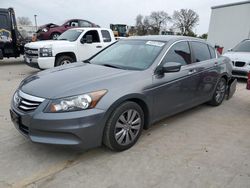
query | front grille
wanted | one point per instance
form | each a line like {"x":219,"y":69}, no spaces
{"x":30,"y":52}
{"x":27,"y":105}
{"x":25,"y":102}
{"x":239,"y":64}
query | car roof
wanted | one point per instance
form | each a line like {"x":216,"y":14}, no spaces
{"x":89,"y":28}
{"x":164,"y":38}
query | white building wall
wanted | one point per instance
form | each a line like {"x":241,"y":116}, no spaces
{"x":229,"y":25}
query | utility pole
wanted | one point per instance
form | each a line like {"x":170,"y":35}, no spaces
{"x":35,"y":21}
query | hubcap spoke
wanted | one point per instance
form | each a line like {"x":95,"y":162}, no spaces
{"x":117,"y":135}
{"x":136,"y":127}
{"x":127,"y":140}
{"x":132,"y":116}
{"x":135,"y":122}
{"x":122,"y":137}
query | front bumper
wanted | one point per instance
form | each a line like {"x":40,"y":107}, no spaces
{"x":40,"y":62}
{"x":240,"y":72}
{"x":81,"y":128}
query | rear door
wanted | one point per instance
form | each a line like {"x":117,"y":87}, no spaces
{"x":206,"y":66}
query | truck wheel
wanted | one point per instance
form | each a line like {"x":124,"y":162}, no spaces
{"x":219,"y":93}
{"x":63,"y":60}
{"x":54,"y":36}
{"x":124,"y":127}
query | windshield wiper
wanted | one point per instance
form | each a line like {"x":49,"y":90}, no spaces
{"x":112,"y":66}
{"x":61,"y":39}
{"x":86,"y":61}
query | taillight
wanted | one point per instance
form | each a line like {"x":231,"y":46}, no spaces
{"x":248,"y":81}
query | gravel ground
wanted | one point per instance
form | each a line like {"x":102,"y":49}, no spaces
{"x":202,"y":147}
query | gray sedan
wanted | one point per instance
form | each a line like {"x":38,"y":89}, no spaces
{"x":120,"y":91}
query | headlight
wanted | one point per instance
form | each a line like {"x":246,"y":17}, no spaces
{"x":46,"y":52}
{"x":76,"y":103}
{"x":44,"y":30}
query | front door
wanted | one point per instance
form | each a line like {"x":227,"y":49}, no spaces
{"x":85,"y":50}
{"x":173,"y":92}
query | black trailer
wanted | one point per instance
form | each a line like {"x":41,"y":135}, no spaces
{"x":11,"y":41}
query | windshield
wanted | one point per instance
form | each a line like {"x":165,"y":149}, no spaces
{"x":129,"y":54}
{"x":70,"y":35}
{"x":243,"y":47}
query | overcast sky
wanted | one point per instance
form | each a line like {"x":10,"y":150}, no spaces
{"x":104,"y":12}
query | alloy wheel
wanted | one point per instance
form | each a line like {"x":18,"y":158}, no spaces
{"x":127,"y":127}
{"x":220,"y":91}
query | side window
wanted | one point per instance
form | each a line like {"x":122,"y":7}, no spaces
{"x":83,"y":23}
{"x":201,"y":51}
{"x":74,"y":23}
{"x":212,"y":52}
{"x":106,"y":36}
{"x":179,"y":53}
{"x":95,"y":35}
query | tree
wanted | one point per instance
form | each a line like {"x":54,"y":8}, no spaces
{"x":24,"y":21}
{"x":204,"y":36}
{"x":151,"y":24}
{"x":185,"y":20}
{"x":158,"y":20}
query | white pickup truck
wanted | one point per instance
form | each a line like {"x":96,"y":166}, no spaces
{"x":73,"y":45}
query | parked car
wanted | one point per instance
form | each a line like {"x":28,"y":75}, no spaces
{"x":111,"y":97}
{"x":240,"y":56}
{"x":73,"y":45}
{"x":52,"y":31}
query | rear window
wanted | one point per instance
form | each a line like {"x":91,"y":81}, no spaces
{"x":201,"y":51}
{"x":3,"y":21}
{"x":106,"y":36}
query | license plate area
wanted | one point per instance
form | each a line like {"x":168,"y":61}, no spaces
{"x":15,"y":118}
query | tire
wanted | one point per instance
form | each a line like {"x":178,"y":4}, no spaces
{"x":124,"y":127}
{"x":219,"y":93}
{"x":54,"y":36}
{"x":63,"y":60}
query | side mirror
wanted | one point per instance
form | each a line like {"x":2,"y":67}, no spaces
{"x":171,"y":67}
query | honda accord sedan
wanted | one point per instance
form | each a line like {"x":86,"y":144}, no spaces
{"x":111,"y":97}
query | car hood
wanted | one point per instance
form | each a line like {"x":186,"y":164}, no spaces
{"x":70,"y":80}
{"x":48,"y":44}
{"x":238,"y":56}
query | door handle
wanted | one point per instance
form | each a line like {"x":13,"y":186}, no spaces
{"x":192,"y":71}
{"x":98,"y":46}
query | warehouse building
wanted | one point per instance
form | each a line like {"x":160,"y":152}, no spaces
{"x":229,"y":24}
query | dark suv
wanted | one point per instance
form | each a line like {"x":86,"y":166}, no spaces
{"x":52,"y":31}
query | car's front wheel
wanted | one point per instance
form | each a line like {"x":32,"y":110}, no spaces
{"x":219,"y":93}
{"x":54,"y":36}
{"x":124,"y":126}
{"x":63,"y":60}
